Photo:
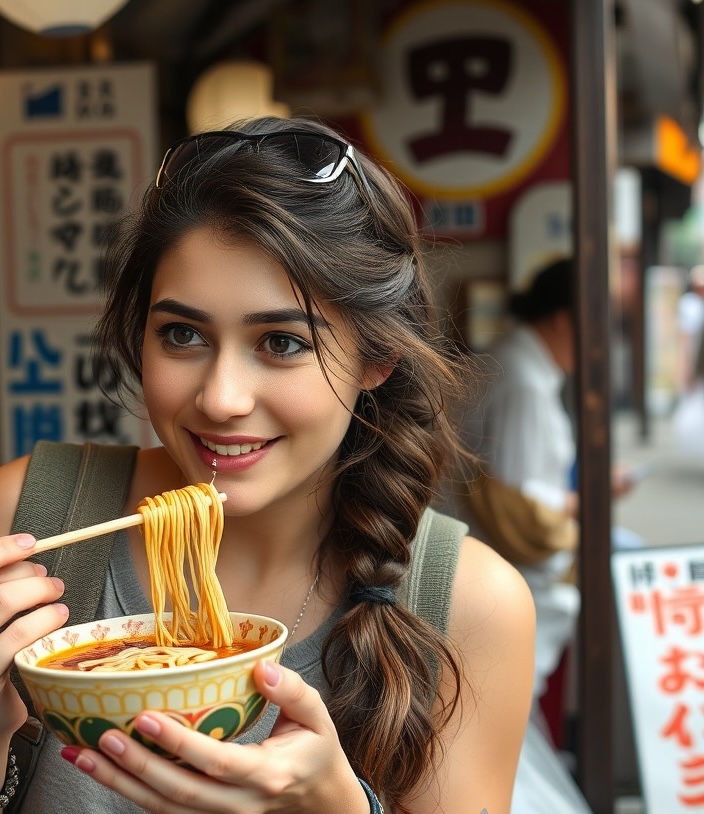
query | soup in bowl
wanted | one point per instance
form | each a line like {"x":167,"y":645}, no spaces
{"x":79,"y":703}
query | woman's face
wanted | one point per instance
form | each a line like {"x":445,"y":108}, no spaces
{"x":230,"y":379}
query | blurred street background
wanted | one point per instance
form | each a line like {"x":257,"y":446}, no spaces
{"x":667,"y":506}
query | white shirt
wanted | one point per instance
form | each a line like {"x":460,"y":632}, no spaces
{"x":526,"y":440}
{"x":526,"y":436}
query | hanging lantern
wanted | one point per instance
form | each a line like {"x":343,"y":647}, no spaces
{"x":59,"y":18}
{"x":229,"y":91}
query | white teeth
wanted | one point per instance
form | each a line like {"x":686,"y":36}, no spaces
{"x":231,"y":449}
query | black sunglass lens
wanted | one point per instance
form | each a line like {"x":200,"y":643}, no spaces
{"x":200,"y":146}
{"x":316,"y":156}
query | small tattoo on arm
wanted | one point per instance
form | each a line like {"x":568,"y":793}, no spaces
{"x":484,"y":811}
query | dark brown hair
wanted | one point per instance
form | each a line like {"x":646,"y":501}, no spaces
{"x":550,"y":291}
{"x":364,"y":257}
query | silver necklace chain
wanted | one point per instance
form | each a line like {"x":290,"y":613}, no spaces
{"x":308,"y":595}
{"x":303,"y":607}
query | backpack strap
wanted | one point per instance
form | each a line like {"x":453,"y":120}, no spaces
{"x":435,"y":550}
{"x":67,"y":487}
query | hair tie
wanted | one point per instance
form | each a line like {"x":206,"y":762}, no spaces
{"x":379,"y":594}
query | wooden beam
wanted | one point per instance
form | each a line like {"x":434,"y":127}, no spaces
{"x":593,"y":88}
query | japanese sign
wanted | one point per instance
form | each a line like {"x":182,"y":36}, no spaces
{"x":76,"y":150}
{"x":473,"y":107}
{"x":660,"y":606}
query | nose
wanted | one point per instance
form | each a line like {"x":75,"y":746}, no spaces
{"x":227,"y":390}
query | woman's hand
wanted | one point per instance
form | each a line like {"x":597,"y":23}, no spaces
{"x":299,"y":768}
{"x":23,"y":585}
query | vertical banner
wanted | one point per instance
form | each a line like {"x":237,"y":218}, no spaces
{"x":77,"y":147}
{"x":660,"y":606}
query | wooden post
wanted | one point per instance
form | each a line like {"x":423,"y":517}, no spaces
{"x":593,"y":88}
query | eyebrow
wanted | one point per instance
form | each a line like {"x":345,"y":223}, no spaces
{"x":171,"y":306}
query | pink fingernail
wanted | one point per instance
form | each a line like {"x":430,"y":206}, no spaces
{"x":272,"y":673}
{"x":148,"y":726}
{"x":112,"y":745}
{"x":79,"y":759}
{"x":25,"y":540}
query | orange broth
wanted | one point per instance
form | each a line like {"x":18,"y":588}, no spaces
{"x":69,"y":659}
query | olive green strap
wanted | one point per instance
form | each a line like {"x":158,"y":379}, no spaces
{"x":427,"y":589}
{"x":67,"y":487}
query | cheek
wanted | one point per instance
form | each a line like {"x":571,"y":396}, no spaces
{"x":160,"y":388}
{"x":315,"y":404}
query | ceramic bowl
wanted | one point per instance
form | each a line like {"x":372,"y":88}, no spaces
{"x":215,"y":697}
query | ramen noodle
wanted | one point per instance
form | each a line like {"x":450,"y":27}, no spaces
{"x":147,"y":658}
{"x":182,"y":532}
{"x":137,"y":653}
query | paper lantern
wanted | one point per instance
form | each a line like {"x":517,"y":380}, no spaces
{"x":59,"y":18}
{"x":231,"y":90}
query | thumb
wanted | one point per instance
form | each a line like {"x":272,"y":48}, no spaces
{"x":299,"y":703}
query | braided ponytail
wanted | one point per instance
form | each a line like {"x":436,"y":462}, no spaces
{"x":382,"y":661}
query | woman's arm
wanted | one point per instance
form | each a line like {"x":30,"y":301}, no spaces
{"x":493,"y":624}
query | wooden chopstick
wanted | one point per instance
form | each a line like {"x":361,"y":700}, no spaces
{"x":68,"y":537}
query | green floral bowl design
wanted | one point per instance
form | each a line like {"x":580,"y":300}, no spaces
{"x":217,"y":697}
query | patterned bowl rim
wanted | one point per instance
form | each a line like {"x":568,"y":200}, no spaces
{"x":205,"y":666}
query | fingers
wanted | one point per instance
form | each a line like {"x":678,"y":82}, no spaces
{"x":224,"y":776}
{"x":23,"y":586}
{"x":27,"y":629}
{"x":20,"y":595}
{"x":300,"y":704}
{"x":21,"y":570}
{"x":153,"y":783}
{"x":301,"y":709}
{"x":303,"y":726}
{"x":15,"y":547}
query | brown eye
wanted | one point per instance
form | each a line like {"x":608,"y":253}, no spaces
{"x":280,"y":344}
{"x":182,"y":335}
{"x":178,"y":335}
{"x":284,"y":346}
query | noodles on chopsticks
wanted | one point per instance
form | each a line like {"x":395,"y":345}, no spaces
{"x":182,"y":532}
{"x":182,"y":536}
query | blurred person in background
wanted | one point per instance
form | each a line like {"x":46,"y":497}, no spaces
{"x":525,"y":502}
{"x":688,"y":416}
{"x":690,"y":320}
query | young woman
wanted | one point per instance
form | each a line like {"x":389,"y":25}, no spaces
{"x":270,"y":305}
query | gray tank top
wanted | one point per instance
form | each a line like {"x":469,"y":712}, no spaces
{"x":58,"y":788}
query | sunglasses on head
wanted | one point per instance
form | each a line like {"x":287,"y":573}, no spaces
{"x":320,"y":159}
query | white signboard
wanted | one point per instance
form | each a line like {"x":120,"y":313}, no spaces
{"x":660,"y":606}
{"x":540,"y":230}
{"x":473,"y":95}
{"x":76,"y":150}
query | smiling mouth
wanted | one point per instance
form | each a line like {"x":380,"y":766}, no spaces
{"x":232,"y":449}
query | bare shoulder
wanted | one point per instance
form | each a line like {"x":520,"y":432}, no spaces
{"x":492,"y":626}
{"x":492,"y":608}
{"x":12,"y":477}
